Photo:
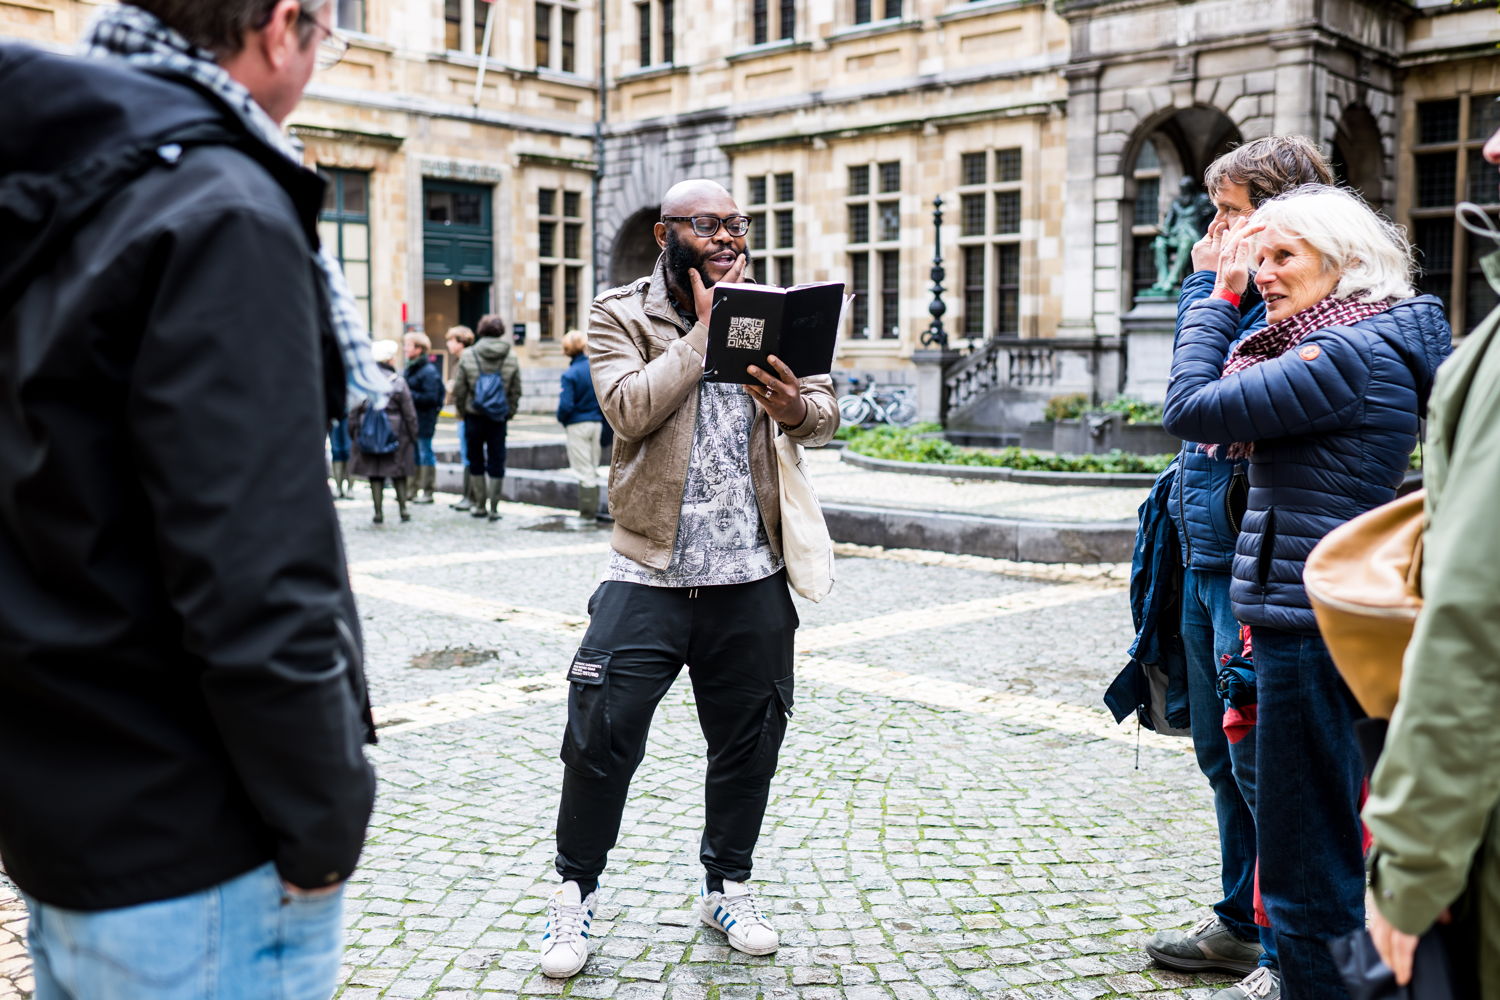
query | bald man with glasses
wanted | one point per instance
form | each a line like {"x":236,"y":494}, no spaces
{"x":695,"y":577}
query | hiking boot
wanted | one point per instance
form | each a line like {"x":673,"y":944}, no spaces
{"x":1209,"y":945}
{"x":466,"y":500}
{"x":476,"y":497}
{"x":426,"y":484}
{"x":377,"y":498}
{"x":736,"y":912}
{"x":1262,"y":984}
{"x":565,"y":943}
{"x":341,"y":481}
{"x":401,"y":484}
{"x":494,"y":486}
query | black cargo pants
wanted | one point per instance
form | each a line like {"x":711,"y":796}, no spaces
{"x":737,"y":644}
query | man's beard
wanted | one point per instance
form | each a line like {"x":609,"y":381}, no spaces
{"x":681,"y":259}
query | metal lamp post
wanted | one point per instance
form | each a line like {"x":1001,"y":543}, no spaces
{"x":934,"y":336}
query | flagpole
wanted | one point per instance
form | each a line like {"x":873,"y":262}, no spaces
{"x":484,"y":53}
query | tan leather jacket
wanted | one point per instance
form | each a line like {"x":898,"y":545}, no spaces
{"x":646,"y":364}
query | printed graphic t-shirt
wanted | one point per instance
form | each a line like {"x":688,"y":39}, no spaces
{"x":720,"y":537}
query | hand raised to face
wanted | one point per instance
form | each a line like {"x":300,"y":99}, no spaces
{"x":1234,"y":255}
{"x":703,"y":296}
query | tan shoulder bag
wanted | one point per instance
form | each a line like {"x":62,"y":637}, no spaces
{"x":1364,"y":581}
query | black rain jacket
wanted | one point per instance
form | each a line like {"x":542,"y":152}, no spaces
{"x":181,"y":689}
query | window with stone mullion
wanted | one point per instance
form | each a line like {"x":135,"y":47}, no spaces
{"x":874,"y":237}
{"x":1449,"y":167}
{"x":770,"y":204}
{"x":991,"y":211}
{"x":560,"y":249}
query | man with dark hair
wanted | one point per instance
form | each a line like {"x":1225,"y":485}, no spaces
{"x":1206,"y":506}
{"x":486,"y":391}
{"x":185,"y":790}
{"x":696,"y":576}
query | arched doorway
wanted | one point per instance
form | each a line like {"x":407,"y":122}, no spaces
{"x":1164,"y":151}
{"x":635,"y":251}
{"x":1359,"y":155}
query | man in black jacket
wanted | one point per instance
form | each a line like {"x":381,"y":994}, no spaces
{"x":183,"y":789}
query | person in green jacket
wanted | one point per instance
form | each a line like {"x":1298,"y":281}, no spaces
{"x":1434,"y":807}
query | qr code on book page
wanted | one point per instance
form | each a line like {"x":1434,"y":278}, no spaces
{"x":746,"y":332}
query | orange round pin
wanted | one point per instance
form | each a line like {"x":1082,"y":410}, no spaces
{"x":1310,"y":352}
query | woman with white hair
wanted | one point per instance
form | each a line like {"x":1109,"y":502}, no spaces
{"x":1325,"y":402}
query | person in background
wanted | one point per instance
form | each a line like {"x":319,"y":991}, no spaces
{"x":338,"y":457}
{"x":1206,"y":508}
{"x":399,"y":465}
{"x":1434,"y":807}
{"x":578,"y":411}
{"x":184,"y":789}
{"x":426,"y":385}
{"x":459,"y":339}
{"x":1324,"y":401}
{"x":485,"y":432}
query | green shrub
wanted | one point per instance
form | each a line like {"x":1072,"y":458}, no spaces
{"x":904,"y":445}
{"x":1135,"y":411}
{"x":1069,"y":407}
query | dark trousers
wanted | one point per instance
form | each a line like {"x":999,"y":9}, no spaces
{"x":484,"y":441}
{"x":1208,"y":632}
{"x":737,"y":644}
{"x":1308,"y":774}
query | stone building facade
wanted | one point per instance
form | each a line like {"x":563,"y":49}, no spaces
{"x":1055,"y":132}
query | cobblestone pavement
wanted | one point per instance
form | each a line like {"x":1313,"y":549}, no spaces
{"x":954,"y":817}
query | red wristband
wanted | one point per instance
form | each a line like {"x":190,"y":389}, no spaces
{"x":1228,"y":296}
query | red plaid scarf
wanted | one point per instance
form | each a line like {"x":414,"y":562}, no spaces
{"x":1275,"y":339}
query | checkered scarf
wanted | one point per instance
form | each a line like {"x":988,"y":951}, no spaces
{"x":1275,"y":339}
{"x":141,"y":39}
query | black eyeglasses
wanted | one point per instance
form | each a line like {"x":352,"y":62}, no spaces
{"x":706,"y":225}
{"x":333,"y":46}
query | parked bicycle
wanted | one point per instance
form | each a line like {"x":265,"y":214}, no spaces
{"x":876,"y":404}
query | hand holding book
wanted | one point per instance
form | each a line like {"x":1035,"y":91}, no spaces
{"x":780,"y":397}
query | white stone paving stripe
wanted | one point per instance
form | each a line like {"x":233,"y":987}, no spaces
{"x":453,"y":706}
{"x":1027,"y":711}
{"x":1024,"y":709}
{"x":477,"y":556}
{"x":945,"y":615}
{"x":416,"y":595}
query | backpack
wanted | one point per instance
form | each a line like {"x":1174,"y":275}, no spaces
{"x":375,"y":434}
{"x":489,"y":397}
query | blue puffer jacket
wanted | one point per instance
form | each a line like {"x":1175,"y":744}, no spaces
{"x":1209,"y":501}
{"x":426,"y":394}
{"x":1334,"y":423}
{"x":577,"y":402}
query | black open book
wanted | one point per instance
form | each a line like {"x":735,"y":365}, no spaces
{"x":799,"y":325}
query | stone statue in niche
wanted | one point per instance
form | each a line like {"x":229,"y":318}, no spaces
{"x":1185,"y":223}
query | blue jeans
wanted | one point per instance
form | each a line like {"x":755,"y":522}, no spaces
{"x":485,"y":444}
{"x":425,"y":455}
{"x":244,"y":939}
{"x":1209,"y":630}
{"x":338,"y":441}
{"x":1312,"y":873}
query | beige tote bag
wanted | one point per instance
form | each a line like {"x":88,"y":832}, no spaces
{"x":805,"y":542}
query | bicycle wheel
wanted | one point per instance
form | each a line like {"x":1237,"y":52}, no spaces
{"x":901,"y":412}
{"x":855,"y":410}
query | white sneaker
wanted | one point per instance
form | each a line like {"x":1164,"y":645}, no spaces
{"x":736,"y":912}
{"x":565,"y":943}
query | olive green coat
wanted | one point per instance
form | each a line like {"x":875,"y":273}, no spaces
{"x":1434,"y":796}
